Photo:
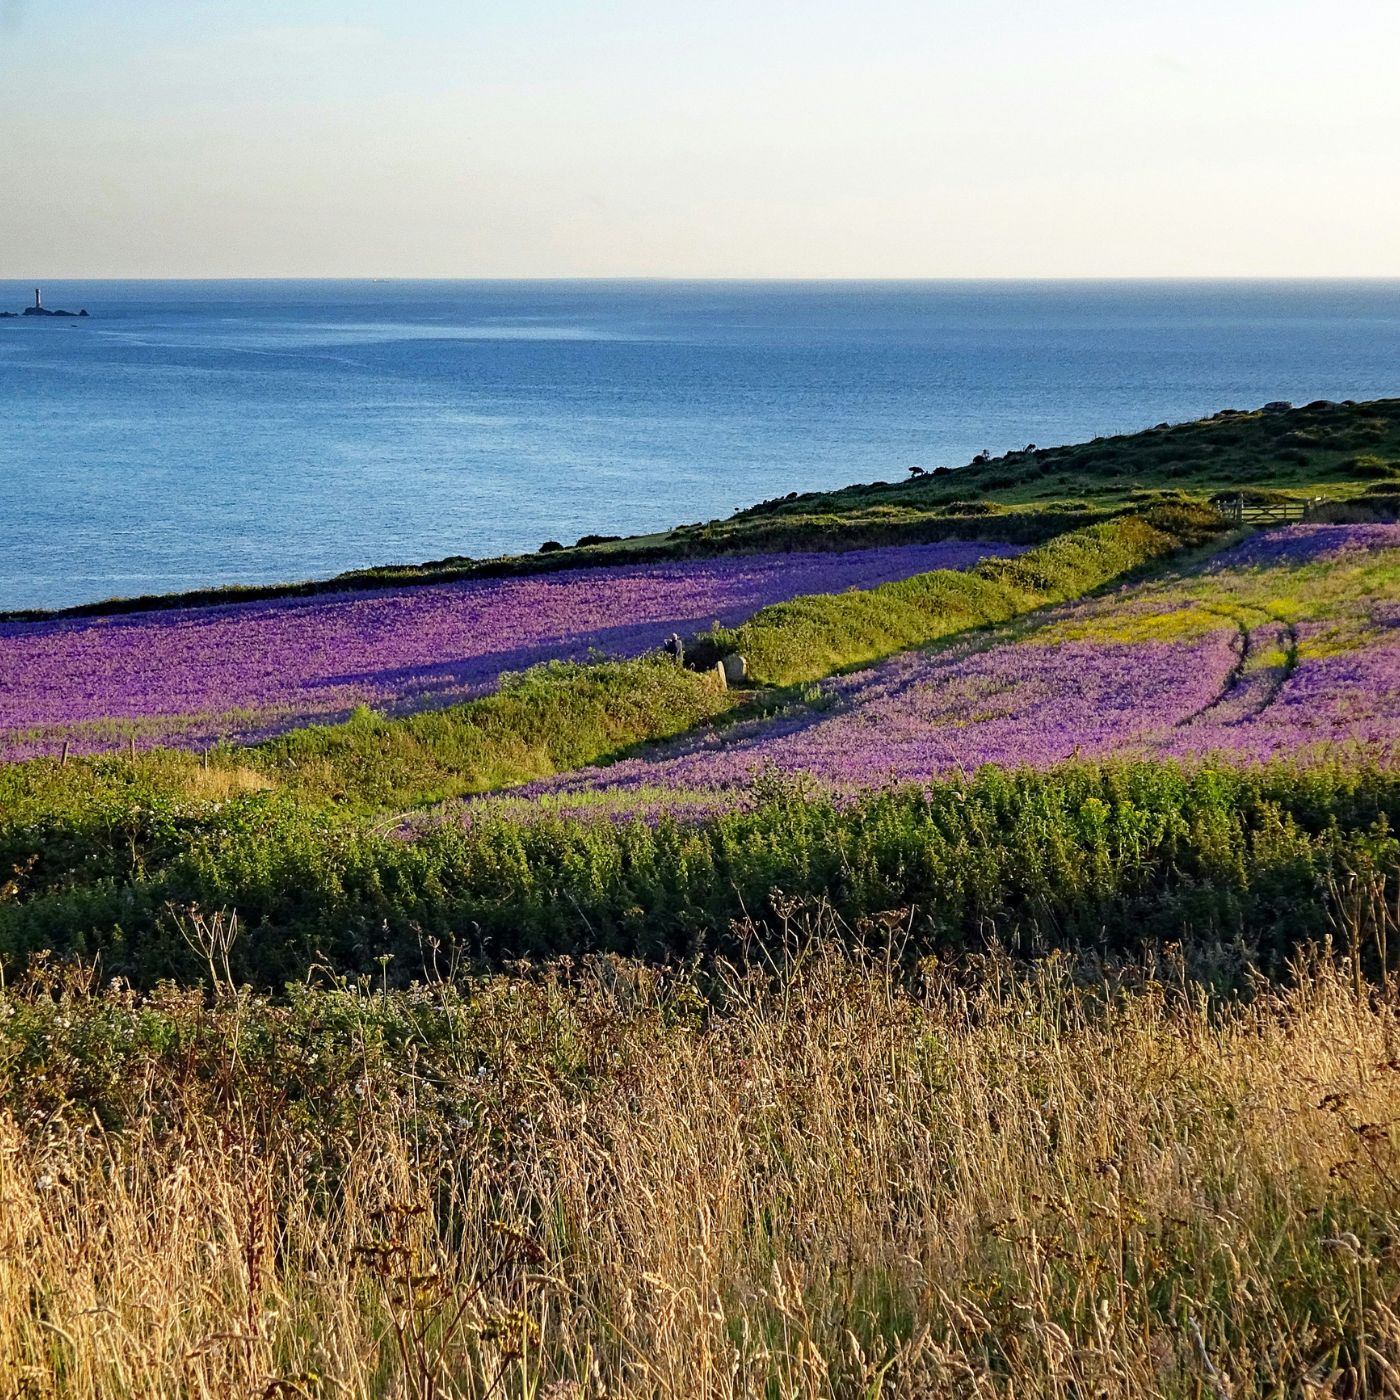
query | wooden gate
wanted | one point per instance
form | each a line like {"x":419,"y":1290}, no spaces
{"x":1262,"y":513}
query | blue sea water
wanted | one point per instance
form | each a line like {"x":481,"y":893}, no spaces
{"x":191,"y":433}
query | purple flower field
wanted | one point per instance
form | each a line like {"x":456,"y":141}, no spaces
{"x":246,"y":670}
{"x":1308,"y":544}
{"x":1287,"y":645}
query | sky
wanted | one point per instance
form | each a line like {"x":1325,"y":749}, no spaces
{"x":715,"y":138}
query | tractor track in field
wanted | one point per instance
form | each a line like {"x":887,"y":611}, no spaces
{"x":1247,"y":694}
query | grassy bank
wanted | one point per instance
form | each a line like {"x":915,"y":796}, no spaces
{"x":811,"y":637}
{"x":597,"y":1180}
{"x":541,"y":721}
{"x":1343,"y":451}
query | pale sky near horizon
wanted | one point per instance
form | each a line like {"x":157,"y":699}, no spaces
{"x":772,"y":138}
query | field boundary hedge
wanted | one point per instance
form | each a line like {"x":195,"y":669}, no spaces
{"x":1099,"y":856}
{"x":809,"y":637}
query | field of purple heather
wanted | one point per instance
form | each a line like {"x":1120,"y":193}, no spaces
{"x":246,"y":670}
{"x":1286,"y":645}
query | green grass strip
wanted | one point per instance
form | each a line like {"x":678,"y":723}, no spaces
{"x":546,"y":720}
{"x":810,"y":637}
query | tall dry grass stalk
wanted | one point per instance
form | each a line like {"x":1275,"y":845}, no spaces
{"x":605,"y":1181}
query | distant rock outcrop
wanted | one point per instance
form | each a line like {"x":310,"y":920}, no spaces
{"x":39,"y":309}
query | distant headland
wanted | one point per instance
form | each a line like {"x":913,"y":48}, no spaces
{"x":39,"y":309}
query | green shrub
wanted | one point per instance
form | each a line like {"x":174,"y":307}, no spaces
{"x":1083,"y":856}
{"x":1369,"y":468}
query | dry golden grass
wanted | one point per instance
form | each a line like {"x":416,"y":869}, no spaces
{"x":216,"y":783}
{"x":605,"y":1181}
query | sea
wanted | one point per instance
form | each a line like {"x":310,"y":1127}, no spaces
{"x":187,"y":434}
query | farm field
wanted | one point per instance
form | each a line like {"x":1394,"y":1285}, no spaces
{"x":344,"y":845}
{"x":243,"y":671}
{"x":1287,"y":645}
{"x":994,"y":994}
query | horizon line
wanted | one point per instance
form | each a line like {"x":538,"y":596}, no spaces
{"x":647,"y":278}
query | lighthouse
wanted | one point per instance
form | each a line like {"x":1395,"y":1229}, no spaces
{"x":39,"y":309}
